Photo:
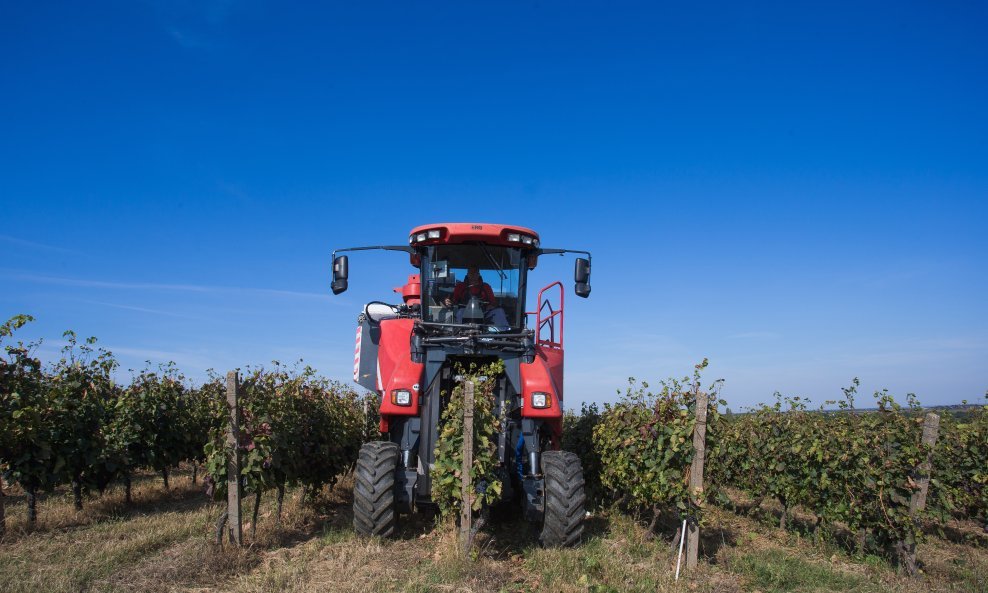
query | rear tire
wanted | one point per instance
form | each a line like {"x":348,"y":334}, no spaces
{"x":374,"y":512}
{"x":564,"y":499}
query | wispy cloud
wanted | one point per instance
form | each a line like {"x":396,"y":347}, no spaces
{"x":755,"y":335}
{"x":186,"y":39}
{"x":37,"y":246}
{"x":135,"y":357}
{"x":142,"y":309}
{"x":81,"y":282}
{"x":913,"y":352}
{"x":154,"y":286}
{"x":237,"y":192}
{"x":194,"y":25}
{"x":904,"y":273}
{"x":188,"y":360}
{"x":626,"y":338}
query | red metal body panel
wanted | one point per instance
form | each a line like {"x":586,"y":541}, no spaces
{"x":544,"y":374}
{"x":459,"y":232}
{"x":395,"y":369}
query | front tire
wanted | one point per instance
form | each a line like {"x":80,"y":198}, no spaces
{"x":564,"y":499}
{"x":374,"y":512}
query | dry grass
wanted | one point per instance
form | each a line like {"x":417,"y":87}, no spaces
{"x":72,"y":550}
{"x":771,"y":559}
{"x":163,"y":542}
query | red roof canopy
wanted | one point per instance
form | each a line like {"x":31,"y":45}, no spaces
{"x":459,"y":232}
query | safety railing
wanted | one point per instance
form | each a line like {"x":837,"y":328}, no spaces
{"x":546,"y":318}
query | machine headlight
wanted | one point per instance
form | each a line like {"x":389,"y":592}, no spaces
{"x":540,"y":399}
{"x":401,"y":397}
{"x":434,"y":234}
{"x":526,"y":240}
{"x":420,"y":237}
{"x":514,"y":237}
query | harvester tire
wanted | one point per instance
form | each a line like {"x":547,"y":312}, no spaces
{"x":564,"y":499}
{"x":374,"y":512}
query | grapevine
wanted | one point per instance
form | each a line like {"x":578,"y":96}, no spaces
{"x":449,"y":447}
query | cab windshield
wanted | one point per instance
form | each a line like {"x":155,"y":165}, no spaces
{"x":447,"y":284}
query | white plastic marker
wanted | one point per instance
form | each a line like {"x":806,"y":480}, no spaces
{"x":679,"y":558}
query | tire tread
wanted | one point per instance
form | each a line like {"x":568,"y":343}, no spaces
{"x":564,"y":499}
{"x":374,"y":512}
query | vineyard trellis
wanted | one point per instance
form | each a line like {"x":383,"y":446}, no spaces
{"x":646,"y":446}
{"x":295,"y":429}
{"x":857,"y":470}
{"x":70,"y":423}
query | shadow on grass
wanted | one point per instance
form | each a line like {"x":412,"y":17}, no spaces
{"x":509,"y":534}
{"x":714,"y":538}
{"x":967,"y":533}
{"x":326,"y":514}
{"x":415,"y":525}
{"x":56,"y":512}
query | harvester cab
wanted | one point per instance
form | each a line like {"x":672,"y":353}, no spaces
{"x":467,"y":303}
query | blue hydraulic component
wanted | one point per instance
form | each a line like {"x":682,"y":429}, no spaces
{"x":519,"y":450}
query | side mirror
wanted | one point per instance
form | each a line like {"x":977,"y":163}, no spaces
{"x":581,"y":275}
{"x":340,"y":272}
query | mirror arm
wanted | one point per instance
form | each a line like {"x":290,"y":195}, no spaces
{"x":340,"y":281}
{"x":406,"y":249}
{"x":562,"y":251}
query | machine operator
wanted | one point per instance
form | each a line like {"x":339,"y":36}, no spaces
{"x":474,"y":286}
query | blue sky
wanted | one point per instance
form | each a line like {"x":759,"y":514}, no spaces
{"x":797,"y":191}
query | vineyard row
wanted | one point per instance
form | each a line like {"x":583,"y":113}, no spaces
{"x":71,"y":423}
{"x":856,"y":471}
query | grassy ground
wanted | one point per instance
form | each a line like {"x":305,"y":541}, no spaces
{"x":163,"y":542}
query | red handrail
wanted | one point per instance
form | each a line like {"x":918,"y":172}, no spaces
{"x":549,"y":319}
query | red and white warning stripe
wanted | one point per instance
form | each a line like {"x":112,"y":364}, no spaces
{"x":356,"y":355}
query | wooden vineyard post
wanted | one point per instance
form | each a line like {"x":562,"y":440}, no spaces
{"x":466,"y":485}
{"x":366,"y":412}
{"x":931,"y":430}
{"x":696,"y":478}
{"x":234,"y":516}
{"x":917,"y":502}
